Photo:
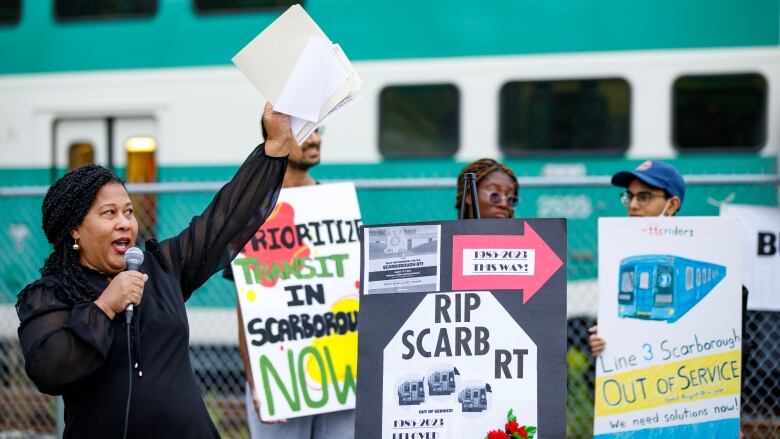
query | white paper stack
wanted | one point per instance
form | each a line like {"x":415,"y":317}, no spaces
{"x":300,"y":71}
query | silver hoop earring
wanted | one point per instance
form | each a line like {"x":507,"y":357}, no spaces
{"x":76,"y":245}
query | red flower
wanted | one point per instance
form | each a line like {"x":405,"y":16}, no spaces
{"x":512,"y":427}
{"x":497,"y":434}
{"x":523,"y":434}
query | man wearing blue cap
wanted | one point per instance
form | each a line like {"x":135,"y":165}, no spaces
{"x":654,"y":188}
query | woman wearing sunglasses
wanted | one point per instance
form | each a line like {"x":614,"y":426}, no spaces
{"x":497,"y":189}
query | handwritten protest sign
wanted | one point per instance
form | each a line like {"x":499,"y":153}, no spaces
{"x":297,"y":281}
{"x":670,"y":310}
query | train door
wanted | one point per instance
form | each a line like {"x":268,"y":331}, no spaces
{"x":644,"y":288}
{"x":466,"y":399}
{"x":127,"y":145}
{"x":404,"y":397}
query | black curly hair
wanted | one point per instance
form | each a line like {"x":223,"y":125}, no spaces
{"x":64,"y":207}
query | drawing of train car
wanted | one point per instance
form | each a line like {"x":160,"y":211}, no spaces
{"x":664,"y":287}
{"x":442,"y":382}
{"x":411,"y":392}
{"x":474,"y":399}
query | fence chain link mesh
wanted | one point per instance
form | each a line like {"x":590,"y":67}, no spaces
{"x":217,"y":366}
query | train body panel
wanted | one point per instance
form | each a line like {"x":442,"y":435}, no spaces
{"x":178,"y":33}
{"x":210,"y":115}
{"x":664,"y":287}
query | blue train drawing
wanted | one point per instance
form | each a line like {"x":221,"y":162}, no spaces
{"x":411,"y":392}
{"x":664,"y":287}
{"x":442,"y":382}
{"x":474,"y":399}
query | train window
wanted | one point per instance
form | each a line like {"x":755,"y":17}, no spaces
{"x":688,"y":278}
{"x":93,"y":9}
{"x":644,"y":280}
{"x":627,"y":282}
{"x":698,"y":277}
{"x":568,"y":116}
{"x":10,"y":12}
{"x":219,"y":6}
{"x":80,"y":154}
{"x":720,"y":112}
{"x":419,"y":121}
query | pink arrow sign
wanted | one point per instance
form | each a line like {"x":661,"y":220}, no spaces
{"x":503,"y":262}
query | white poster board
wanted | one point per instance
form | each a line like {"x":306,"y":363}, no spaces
{"x":459,"y":363}
{"x":670,"y":311}
{"x":761,"y":253}
{"x":298,"y":283}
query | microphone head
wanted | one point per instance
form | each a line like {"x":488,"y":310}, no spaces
{"x":134,"y":257}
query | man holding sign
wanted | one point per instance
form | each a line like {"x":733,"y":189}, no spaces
{"x":336,"y":424}
{"x":654,"y":188}
{"x":666,"y":298}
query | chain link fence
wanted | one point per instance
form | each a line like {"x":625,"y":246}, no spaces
{"x":164,"y":209}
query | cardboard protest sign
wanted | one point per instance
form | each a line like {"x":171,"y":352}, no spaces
{"x":761,"y":253}
{"x":297,"y":281}
{"x":484,"y":350}
{"x":670,"y":311}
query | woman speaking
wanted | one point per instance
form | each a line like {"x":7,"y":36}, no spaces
{"x":134,"y":380}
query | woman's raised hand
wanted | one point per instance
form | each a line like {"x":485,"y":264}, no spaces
{"x":280,"y":137}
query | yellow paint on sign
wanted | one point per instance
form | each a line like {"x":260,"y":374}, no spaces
{"x":671,"y":383}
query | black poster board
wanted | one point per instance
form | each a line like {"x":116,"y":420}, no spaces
{"x":451,"y":314}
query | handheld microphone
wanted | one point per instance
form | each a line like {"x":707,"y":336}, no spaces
{"x":134,"y":257}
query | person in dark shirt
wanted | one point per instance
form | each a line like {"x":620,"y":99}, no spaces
{"x":73,"y":331}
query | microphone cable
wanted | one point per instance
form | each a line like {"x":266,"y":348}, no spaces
{"x":128,"y":319}
{"x":134,"y":257}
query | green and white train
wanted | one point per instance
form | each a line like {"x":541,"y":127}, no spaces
{"x":554,"y":88}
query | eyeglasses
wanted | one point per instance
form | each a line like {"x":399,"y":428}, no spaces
{"x":495,"y":198}
{"x":642,"y":197}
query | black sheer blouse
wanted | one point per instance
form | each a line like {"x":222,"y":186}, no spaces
{"x":78,"y":352}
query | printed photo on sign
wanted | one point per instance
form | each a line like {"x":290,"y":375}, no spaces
{"x":402,"y":259}
{"x":669,"y":309}
{"x":298,"y":286}
{"x":458,"y":365}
